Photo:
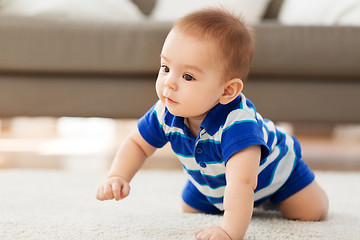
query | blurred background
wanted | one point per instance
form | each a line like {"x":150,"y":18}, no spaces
{"x":90,"y":144}
{"x":76,"y":74}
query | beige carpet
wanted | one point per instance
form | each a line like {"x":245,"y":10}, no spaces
{"x":42,"y":204}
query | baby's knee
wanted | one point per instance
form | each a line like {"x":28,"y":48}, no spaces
{"x":187,"y":209}
{"x":322,"y":209}
{"x":318,"y":214}
{"x":315,"y":213}
{"x":310,"y":204}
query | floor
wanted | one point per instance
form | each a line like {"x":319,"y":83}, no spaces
{"x":90,"y":143}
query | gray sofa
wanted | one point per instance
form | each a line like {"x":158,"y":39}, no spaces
{"x":59,"y":68}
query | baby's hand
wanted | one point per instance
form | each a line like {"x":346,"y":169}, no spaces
{"x":211,"y":233}
{"x":114,"y":187}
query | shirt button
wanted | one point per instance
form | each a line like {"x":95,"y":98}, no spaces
{"x":199,"y":150}
{"x":203,"y":165}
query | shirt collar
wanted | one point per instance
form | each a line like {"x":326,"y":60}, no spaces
{"x":218,"y":115}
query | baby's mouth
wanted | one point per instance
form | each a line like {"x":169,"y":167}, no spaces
{"x":169,"y":100}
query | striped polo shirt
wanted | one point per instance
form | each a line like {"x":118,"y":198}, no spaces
{"x":225,"y":130}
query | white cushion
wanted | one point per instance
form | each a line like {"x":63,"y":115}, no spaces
{"x":93,"y":10}
{"x":170,"y":10}
{"x":320,"y":12}
{"x":351,"y":16}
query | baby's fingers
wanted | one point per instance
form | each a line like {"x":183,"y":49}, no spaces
{"x":120,"y":191}
{"x":202,"y":234}
{"x":99,"y":194}
{"x":102,"y":193}
{"x":211,"y":233}
{"x":125,"y":190}
{"x":107,"y":192}
{"x":116,"y":190}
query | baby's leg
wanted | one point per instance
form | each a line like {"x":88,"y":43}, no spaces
{"x":187,"y":209}
{"x":309,"y":204}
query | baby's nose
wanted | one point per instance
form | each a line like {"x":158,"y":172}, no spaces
{"x":170,"y":83}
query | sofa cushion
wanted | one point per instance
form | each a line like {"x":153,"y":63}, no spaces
{"x":320,"y":12}
{"x":34,"y":44}
{"x":60,"y":46}
{"x":86,"y":10}
{"x":352,"y":17}
{"x":170,"y":10}
{"x":312,"y":51}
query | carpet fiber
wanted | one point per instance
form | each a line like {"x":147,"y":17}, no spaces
{"x":44,"y":204}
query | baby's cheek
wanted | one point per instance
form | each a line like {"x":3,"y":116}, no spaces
{"x":159,"y":88}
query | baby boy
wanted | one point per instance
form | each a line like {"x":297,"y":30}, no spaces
{"x":234,"y":159}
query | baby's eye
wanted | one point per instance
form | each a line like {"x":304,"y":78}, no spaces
{"x":188,"y":77}
{"x":165,"y":68}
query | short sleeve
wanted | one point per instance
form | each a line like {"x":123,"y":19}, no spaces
{"x":241,"y":135}
{"x":150,"y":126}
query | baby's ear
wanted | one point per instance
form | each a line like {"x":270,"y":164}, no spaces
{"x":232,"y":89}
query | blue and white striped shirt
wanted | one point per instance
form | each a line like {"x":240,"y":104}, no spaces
{"x":225,"y":130}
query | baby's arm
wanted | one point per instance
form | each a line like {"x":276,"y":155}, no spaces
{"x":241,"y":176}
{"x":128,"y":160}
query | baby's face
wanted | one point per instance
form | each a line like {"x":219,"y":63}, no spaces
{"x":190,"y":80}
